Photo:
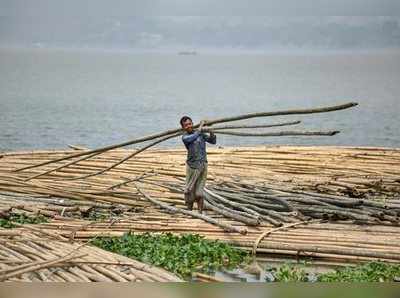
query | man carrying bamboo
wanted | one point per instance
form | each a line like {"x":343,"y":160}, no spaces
{"x":196,"y":163}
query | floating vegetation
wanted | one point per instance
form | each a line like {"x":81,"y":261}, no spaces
{"x":290,"y":273}
{"x":369,"y":272}
{"x":21,"y":218}
{"x":182,"y":254}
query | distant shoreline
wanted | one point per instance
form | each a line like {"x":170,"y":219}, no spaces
{"x":208,"y":51}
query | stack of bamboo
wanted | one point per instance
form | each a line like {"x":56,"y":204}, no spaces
{"x":159,"y":174}
{"x":338,"y":242}
{"x":250,"y":195}
{"x":29,"y":254}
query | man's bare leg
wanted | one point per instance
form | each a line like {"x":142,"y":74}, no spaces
{"x":188,"y":203}
{"x":200,"y":204}
{"x":189,"y":206}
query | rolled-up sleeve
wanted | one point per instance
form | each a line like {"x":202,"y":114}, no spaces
{"x":212,"y":138}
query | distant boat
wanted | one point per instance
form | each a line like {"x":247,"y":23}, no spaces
{"x":38,"y":45}
{"x":187,"y":53}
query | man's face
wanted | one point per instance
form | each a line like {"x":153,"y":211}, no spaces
{"x":188,"y":125}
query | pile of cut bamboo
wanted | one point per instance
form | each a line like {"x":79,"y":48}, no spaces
{"x":29,"y":254}
{"x":159,"y":174}
{"x":339,"y":242}
{"x":249,"y":196}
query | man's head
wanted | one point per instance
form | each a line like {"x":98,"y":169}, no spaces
{"x":187,"y":124}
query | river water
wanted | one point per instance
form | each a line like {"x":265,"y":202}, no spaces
{"x":51,"y":98}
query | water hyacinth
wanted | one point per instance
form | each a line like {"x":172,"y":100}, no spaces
{"x":182,"y":254}
{"x":21,"y":218}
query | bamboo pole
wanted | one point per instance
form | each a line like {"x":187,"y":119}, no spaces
{"x":266,"y":233}
{"x":130,"y":155}
{"x":36,"y":266}
{"x":216,"y":128}
{"x":279,"y":133}
{"x":208,"y":219}
{"x":221,"y":120}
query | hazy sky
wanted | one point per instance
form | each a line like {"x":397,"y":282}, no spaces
{"x":163,"y":24}
{"x":199,"y":7}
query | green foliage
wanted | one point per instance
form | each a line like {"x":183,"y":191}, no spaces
{"x":290,"y":273}
{"x":99,"y":214}
{"x":21,"y":218}
{"x":188,"y":253}
{"x":370,"y":272}
{"x":179,"y":254}
{"x":96,"y":216}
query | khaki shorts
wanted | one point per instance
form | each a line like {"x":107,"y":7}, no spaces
{"x":195,"y":183}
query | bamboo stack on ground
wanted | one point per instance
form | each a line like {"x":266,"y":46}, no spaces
{"x":339,"y":242}
{"x":31,"y":256}
{"x":298,"y":181}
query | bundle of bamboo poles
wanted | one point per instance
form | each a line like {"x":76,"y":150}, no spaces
{"x":339,"y":242}
{"x":356,"y":172}
{"x":162,"y":168}
{"x":166,"y":135}
{"x":335,"y":242}
{"x":295,"y":174}
{"x":28,"y":255}
{"x":251,"y":203}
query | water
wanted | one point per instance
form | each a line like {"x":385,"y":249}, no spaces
{"x":51,"y":98}
{"x":267,"y":268}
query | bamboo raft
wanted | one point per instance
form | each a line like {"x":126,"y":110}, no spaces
{"x":345,"y":200}
{"x":28,"y":254}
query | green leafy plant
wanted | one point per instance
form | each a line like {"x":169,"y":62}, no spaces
{"x":179,"y":254}
{"x":21,"y":218}
{"x":370,"y":272}
{"x":96,"y":216}
{"x":290,"y":273}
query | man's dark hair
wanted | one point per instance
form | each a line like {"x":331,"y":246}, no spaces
{"x":184,"y":118}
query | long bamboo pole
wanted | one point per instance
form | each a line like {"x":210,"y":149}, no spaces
{"x":221,"y":120}
{"x":226,"y":227}
{"x":279,"y":133}
{"x":64,"y":166}
{"x":112,"y":166}
{"x":215,"y":128}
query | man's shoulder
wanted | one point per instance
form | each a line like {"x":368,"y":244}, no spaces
{"x":185,"y":134}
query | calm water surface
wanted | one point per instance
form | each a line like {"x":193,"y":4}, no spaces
{"x":51,"y":98}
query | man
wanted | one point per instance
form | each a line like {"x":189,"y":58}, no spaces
{"x":196,"y":163}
